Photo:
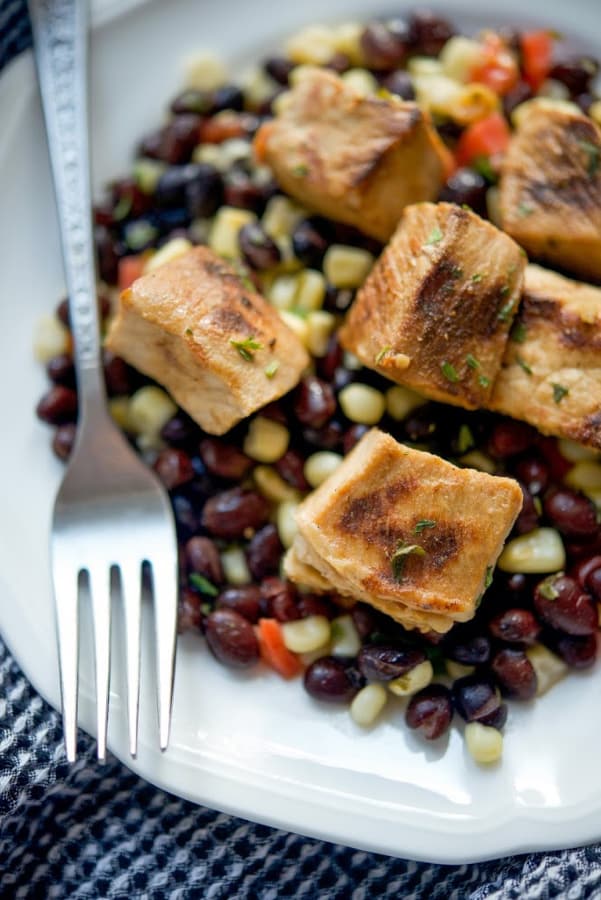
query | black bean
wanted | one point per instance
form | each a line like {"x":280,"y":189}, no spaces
{"x":466,"y":187}
{"x":584,"y":568}
{"x":119,"y":377}
{"x":245,"y":600}
{"x":327,"y":438}
{"x":577,"y":652}
{"x":475,"y":697}
{"x":204,"y":192}
{"x":129,"y":201}
{"x":385,"y":45}
{"x":327,"y":365}
{"x":364,"y":618}
{"x":224,"y":460}
{"x":108,"y":251}
{"x":509,"y":438}
{"x":572,"y":513}
{"x":528,"y":518}
{"x":339,"y":63}
{"x":314,"y":402}
{"x":593,"y":583}
{"x":576,"y":73}
{"x":179,"y":138}
{"x":179,"y":430}
{"x":352,"y":436}
{"x":428,"y":32}
{"x":174,"y":467}
{"x":518,"y":94}
{"x":279,"y":68}
{"x":58,"y":405}
{"x":468,"y":649}
{"x":279,"y":599}
{"x":202,"y":557}
{"x":189,"y":613}
{"x":242,"y":192}
{"x":515,"y":673}
{"x":332,"y":679}
{"x":291,"y":467}
{"x":63,"y":440}
{"x":534,"y":473}
{"x":229,"y":96}
{"x":381,"y":662}
{"x":337,"y":300}
{"x":561,"y":603}
{"x":231,"y":513}
{"x":258,"y":249}
{"x":314,"y":605}
{"x":187,"y":515}
{"x":60,"y":370}
{"x":430,"y":711}
{"x":515,"y":626}
{"x":232,"y":639}
{"x":264,"y":552}
{"x":400,"y":83}
{"x":497,"y":718}
{"x":309,"y":244}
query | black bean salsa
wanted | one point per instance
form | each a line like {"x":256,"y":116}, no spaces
{"x":234,"y":496}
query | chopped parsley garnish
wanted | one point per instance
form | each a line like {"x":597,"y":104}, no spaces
{"x":559,"y":392}
{"x":456,"y":272}
{"x":593,"y":157}
{"x":523,"y":365}
{"x":449,"y":371}
{"x":465,"y":439}
{"x":301,"y":170}
{"x":483,"y":381}
{"x":504,"y":290}
{"x":476,"y":277}
{"x":518,"y":333}
{"x":247,"y":347}
{"x":188,"y":332}
{"x":524,"y":210}
{"x":547,"y":589}
{"x":203,"y":585}
{"x":435,"y":236}
{"x":380,"y":356}
{"x":488,"y":577}
{"x":505,"y":311}
{"x":272,"y":368}
{"x":538,"y":505}
{"x":422,"y":524}
{"x":399,"y":556}
{"x":472,"y":361}
{"x":483,"y":166}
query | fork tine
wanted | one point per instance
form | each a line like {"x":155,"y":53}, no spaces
{"x":164,"y":590}
{"x":131,"y":598}
{"x":100,"y":592}
{"x":66,"y":592}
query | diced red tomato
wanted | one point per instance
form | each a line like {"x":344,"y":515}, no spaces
{"x":130,"y":268}
{"x":498,"y":69}
{"x":274,"y":651}
{"x":221,"y":128}
{"x":489,"y":137}
{"x":537,"y":52}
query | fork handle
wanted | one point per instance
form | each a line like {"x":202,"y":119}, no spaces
{"x":60,"y":29}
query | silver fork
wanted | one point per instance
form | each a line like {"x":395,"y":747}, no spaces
{"x":112,"y":518}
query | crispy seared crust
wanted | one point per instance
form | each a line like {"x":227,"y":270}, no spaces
{"x":176,"y":323}
{"x":445,"y":289}
{"x":359,"y":160}
{"x":350,"y":527}
{"x":560,"y":322}
{"x":550,"y":190}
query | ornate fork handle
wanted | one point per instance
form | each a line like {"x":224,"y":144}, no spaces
{"x":60,"y":30}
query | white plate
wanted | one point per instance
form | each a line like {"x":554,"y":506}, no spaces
{"x":254,"y":746}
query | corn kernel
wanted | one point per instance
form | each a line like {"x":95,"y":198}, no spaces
{"x":320,"y":466}
{"x":475,"y":459}
{"x":50,"y":338}
{"x":521,"y":113}
{"x":362,"y":404}
{"x":311,"y":290}
{"x":459,"y":56}
{"x":485,"y":744}
{"x":321,"y":324}
{"x":584,"y":476}
{"x":555,"y":90}
{"x":119,"y":410}
{"x":493,"y":205}
{"x":345,"y":637}
{"x":400,"y":401}
{"x":298,"y":325}
{"x":574,"y":452}
{"x":282,"y":292}
{"x":347,"y":40}
{"x":271,"y":484}
{"x":236,"y":150}
{"x":258,"y":86}
{"x":457,"y":670}
{"x":595,"y":112}
{"x":313,"y":45}
{"x":223,"y":238}
{"x":286,"y":522}
{"x":351,"y":362}
{"x":346,"y":267}
{"x":306,"y":635}
{"x":147,"y":173}
{"x":360,"y":81}
{"x":537,"y":553}
{"x":413,"y":680}
{"x":548,"y":667}
{"x":168,"y":252}
{"x":472,"y":103}
{"x":281,"y":216}
{"x":234,"y":565}
{"x":424,"y":65}
{"x":368,"y":704}
{"x":205,"y":72}
{"x":288,"y":261}
{"x":266,"y":440}
{"x":212,"y":154}
{"x":149,"y":409}
{"x":435,"y":92}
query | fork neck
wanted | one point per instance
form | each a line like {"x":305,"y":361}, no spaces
{"x":60,"y":30}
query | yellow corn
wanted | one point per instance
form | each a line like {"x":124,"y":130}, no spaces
{"x":306,"y":635}
{"x":266,"y":440}
{"x":537,"y":553}
{"x":484,"y":744}
{"x":368,"y":704}
{"x":413,"y":680}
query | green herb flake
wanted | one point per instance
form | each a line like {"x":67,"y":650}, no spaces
{"x":247,"y":347}
{"x":203,"y":585}
{"x":188,"y":332}
{"x":483,"y":381}
{"x":547,"y":589}
{"x":559,"y":392}
{"x":300,"y":171}
{"x":484,"y":167}
{"x":435,"y":236}
{"x":472,"y":361}
{"x":449,"y":371}
{"x":523,"y":365}
{"x":380,"y":356}
{"x":504,"y":290}
{"x":123,"y":208}
{"x":488,"y":577}
{"x":272,"y":368}
{"x":505,"y":311}
{"x":456,"y":272}
{"x":593,"y":157}
{"x":423,"y":524}
{"x":399,"y":556}
{"x":476,"y":277}
{"x":524,"y":210}
{"x":465,"y":439}
{"x":518,"y":333}
{"x":538,"y":505}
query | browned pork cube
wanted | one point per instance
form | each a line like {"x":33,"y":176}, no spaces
{"x":220,"y":350}
{"x":436,"y":309}
{"x":551,"y":189}
{"x":551,"y":375}
{"x":356,"y":159}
